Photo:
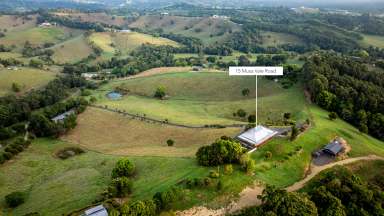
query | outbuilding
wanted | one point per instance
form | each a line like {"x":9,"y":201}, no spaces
{"x":334,"y":148}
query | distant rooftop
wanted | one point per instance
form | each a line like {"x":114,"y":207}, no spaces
{"x":256,"y":136}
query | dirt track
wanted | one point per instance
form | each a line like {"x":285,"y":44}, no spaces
{"x":248,"y":197}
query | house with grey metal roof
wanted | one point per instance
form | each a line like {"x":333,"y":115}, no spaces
{"x":62,"y":116}
{"x":255,"y":137}
{"x":96,"y":211}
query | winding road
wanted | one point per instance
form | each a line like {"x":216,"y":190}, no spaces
{"x":248,"y":197}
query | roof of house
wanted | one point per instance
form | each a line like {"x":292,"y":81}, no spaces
{"x":257,"y":135}
{"x":97,"y":211}
{"x":63,"y":115}
{"x":334,"y":147}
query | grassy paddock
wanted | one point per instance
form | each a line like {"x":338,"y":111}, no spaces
{"x":205,"y":98}
{"x":373,"y":40}
{"x":112,"y":133}
{"x":26,"y":78}
{"x":72,"y":50}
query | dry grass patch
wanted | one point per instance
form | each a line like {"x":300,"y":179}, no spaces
{"x":112,"y":133}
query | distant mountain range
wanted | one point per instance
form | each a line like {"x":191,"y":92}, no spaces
{"x":92,"y":4}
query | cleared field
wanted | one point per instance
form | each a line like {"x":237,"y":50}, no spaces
{"x":16,"y":23}
{"x":126,"y":42}
{"x":71,"y":51}
{"x":198,"y":98}
{"x":373,"y":40}
{"x":273,"y":39}
{"x":100,"y":17}
{"x":26,"y":78}
{"x":208,"y":29}
{"x":38,"y":35}
{"x":111,"y":133}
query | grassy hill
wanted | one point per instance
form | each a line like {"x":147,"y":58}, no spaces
{"x":99,"y":17}
{"x":26,"y":78}
{"x":38,"y":35}
{"x":208,"y":29}
{"x":373,"y":40}
{"x":125,"y":42}
{"x":72,"y":50}
{"x":16,"y":23}
{"x":274,"y":39}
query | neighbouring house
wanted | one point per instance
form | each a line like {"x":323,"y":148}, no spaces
{"x":63,"y":116}
{"x":89,"y":75}
{"x":96,"y":211}
{"x":255,"y":137}
{"x":164,"y":14}
{"x":333,"y":148}
{"x":47,"y":24}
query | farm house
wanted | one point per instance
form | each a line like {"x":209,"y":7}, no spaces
{"x":255,"y":137}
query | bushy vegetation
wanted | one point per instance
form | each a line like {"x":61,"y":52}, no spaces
{"x":124,"y":168}
{"x":220,"y":152}
{"x":15,"y":199}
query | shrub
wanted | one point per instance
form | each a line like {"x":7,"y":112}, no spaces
{"x":241,"y":113}
{"x":294,"y":132}
{"x":245,"y":92}
{"x":247,"y":164}
{"x":228,"y":169}
{"x":7,"y":155}
{"x":287,"y":115}
{"x":332,"y":115}
{"x":138,"y":208}
{"x":123,"y":168}
{"x":69,"y":152}
{"x":252,"y":118}
{"x":160,"y":92}
{"x":121,"y":187}
{"x":219,"y":186}
{"x":165,"y":199}
{"x":268,"y":155}
{"x":15,"y":199}
{"x":2,"y":159}
{"x":214,"y":174}
{"x":170,"y":142}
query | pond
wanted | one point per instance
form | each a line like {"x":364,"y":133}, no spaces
{"x":114,"y":95}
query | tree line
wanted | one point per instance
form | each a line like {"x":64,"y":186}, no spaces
{"x":340,"y":84}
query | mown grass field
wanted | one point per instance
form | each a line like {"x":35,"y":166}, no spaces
{"x":72,"y":50}
{"x":26,"y":78}
{"x":373,"y":40}
{"x":198,"y":98}
{"x":112,"y":133}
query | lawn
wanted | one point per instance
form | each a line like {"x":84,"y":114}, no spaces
{"x":72,"y":50}
{"x":204,"y":98}
{"x":26,"y":78}
{"x":112,"y":133}
{"x":373,"y":40}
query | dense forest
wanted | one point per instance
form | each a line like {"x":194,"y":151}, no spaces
{"x":347,"y":87}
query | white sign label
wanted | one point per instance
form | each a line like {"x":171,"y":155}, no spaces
{"x":255,"y":71}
